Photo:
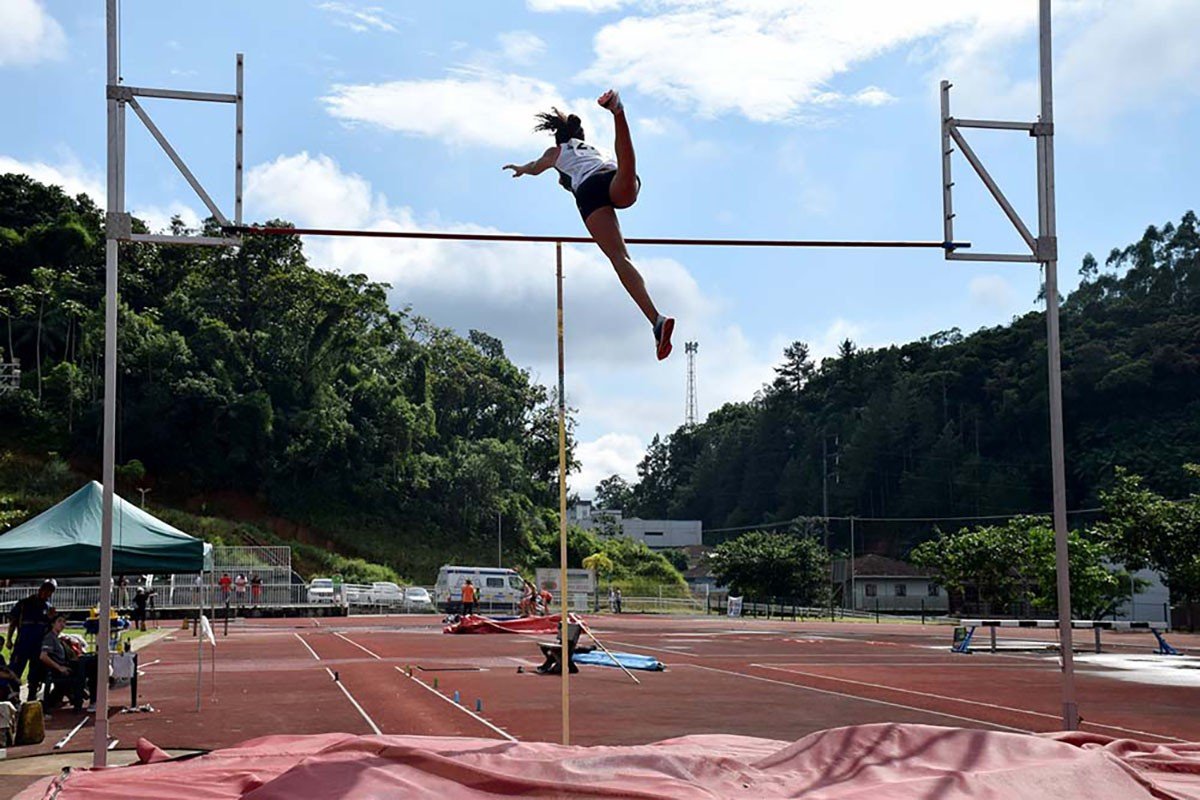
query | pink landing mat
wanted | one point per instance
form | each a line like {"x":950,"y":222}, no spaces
{"x":892,"y":761}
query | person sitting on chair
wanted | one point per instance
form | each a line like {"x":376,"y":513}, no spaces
{"x":64,"y":674}
{"x":10,"y":684}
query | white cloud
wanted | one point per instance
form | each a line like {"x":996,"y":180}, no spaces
{"x":1128,"y":56}
{"x":610,"y":454}
{"x":472,"y":107}
{"x":70,"y":175}
{"x":158,"y":219}
{"x":993,"y":292}
{"x":769,"y":59}
{"x":358,"y":18}
{"x":521,"y":47}
{"x":590,"y":6}
{"x":28,"y":34}
{"x":872,"y":96}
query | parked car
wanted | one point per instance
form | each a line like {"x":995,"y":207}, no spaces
{"x":417,"y":599}
{"x":320,"y":590}
{"x":384,"y":593}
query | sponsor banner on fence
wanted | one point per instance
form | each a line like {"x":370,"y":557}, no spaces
{"x":579,"y":581}
{"x":735,"y":607}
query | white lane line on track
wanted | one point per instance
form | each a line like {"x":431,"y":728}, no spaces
{"x":350,"y":697}
{"x":375,"y":656}
{"x":307,"y":647}
{"x":802,"y":687}
{"x":459,"y":706}
{"x":830,"y":692}
{"x":996,"y":706}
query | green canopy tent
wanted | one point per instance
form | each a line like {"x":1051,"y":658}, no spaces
{"x":64,"y":541}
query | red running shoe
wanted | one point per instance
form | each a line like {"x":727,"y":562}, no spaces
{"x":662,"y":335}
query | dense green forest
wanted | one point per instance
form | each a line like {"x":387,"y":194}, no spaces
{"x":953,"y":424}
{"x":249,"y":378}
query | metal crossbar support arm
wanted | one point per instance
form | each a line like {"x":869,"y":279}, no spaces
{"x":174,"y":156}
{"x":990,"y":183}
{"x":198,"y":241}
{"x":993,"y":124}
{"x":178,"y":94}
{"x":1016,"y":257}
{"x":516,"y":237}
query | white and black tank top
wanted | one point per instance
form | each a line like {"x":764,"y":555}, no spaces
{"x":578,"y":161}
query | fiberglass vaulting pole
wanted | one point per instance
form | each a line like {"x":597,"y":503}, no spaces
{"x":112,"y":226}
{"x":1048,"y":250}
{"x":562,"y":513}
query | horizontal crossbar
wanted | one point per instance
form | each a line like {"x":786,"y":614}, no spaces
{"x":515,"y":237}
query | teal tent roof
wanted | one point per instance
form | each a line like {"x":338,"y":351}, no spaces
{"x":65,"y":540}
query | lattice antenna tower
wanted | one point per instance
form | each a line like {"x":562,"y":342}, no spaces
{"x":691,"y":348}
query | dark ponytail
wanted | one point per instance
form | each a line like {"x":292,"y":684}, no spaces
{"x":563,"y":126}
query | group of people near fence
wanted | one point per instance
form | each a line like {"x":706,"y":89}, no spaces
{"x":239,"y":586}
{"x":45,"y":656}
{"x":535,"y":601}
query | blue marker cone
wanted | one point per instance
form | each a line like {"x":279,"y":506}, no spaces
{"x":478,"y":706}
{"x":456,"y":698}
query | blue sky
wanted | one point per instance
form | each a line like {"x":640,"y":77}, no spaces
{"x":751,"y":118}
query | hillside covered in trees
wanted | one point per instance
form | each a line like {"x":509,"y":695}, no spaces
{"x":953,"y":424}
{"x":248,"y":374}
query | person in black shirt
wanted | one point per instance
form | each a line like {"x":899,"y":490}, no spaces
{"x":27,"y":626}
{"x":139,"y":607}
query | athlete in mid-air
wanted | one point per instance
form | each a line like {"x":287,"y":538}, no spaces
{"x":601,"y":186}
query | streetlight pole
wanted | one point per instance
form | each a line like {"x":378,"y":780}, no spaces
{"x":144,"y":493}
{"x":499,"y":549}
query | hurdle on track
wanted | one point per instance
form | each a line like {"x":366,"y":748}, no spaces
{"x":968,"y":626}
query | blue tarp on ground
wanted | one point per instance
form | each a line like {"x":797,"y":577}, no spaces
{"x":598,"y":658}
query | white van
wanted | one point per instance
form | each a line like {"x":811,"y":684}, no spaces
{"x":496,"y":589}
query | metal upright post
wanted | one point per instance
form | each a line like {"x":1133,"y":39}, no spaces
{"x":1048,"y":255}
{"x":562,"y":513}
{"x":947,"y":179}
{"x":115,"y":222}
{"x":237,"y":164}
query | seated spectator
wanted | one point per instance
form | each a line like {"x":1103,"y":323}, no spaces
{"x":10,"y":684}
{"x":64,"y":673}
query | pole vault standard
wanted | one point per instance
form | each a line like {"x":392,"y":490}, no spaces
{"x":118,"y":228}
{"x":1044,"y":249}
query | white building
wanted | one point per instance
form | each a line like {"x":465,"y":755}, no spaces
{"x":887,"y":584}
{"x":658,"y":534}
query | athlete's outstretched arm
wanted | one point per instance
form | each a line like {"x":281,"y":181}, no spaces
{"x":544,"y":163}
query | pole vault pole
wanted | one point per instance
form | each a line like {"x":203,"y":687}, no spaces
{"x":113,"y":225}
{"x":565,"y":658}
{"x":1048,"y":247}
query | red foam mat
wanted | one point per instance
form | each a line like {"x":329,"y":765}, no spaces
{"x":472,"y":623}
{"x":893,"y":761}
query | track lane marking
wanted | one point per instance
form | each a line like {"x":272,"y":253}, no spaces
{"x":307,"y":647}
{"x":375,"y":656}
{"x":350,"y":697}
{"x":459,"y":706}
{"x":802,"y":687}
{"x":996,"y":706}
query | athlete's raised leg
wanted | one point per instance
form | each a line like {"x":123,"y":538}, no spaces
{"x":624,"y":189}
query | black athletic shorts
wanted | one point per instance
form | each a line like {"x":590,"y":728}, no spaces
{"x":593,"y":192}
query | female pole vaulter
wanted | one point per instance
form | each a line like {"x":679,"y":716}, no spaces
{"x":601,"y":186}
